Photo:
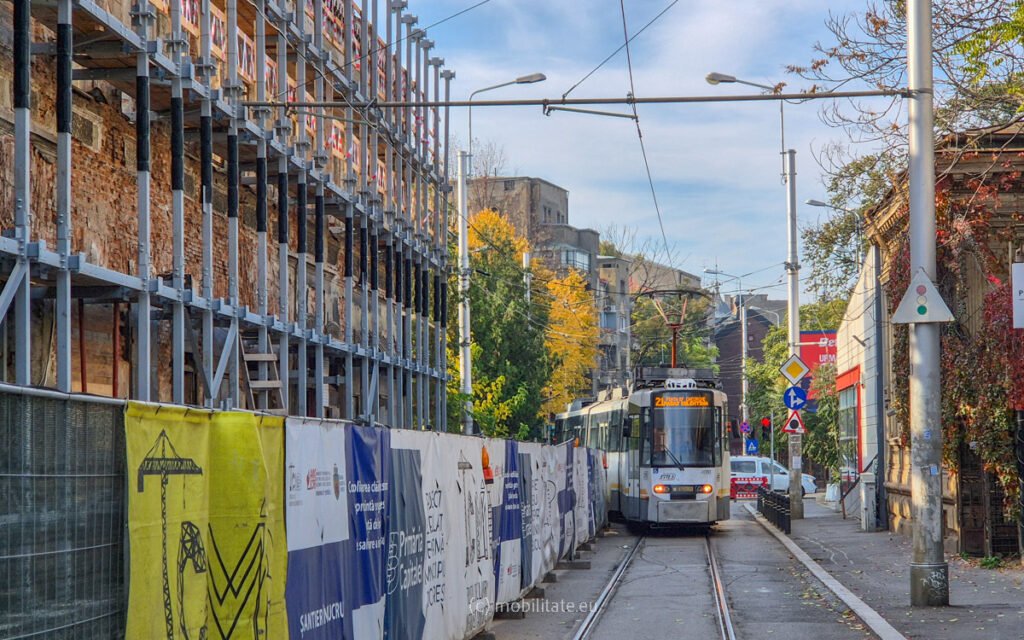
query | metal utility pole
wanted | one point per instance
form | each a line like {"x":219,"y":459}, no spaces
{"x":796,"y":499}
{"x":744,"y":411}
{"x":527,"y":278}
{"x":465,"y":358}
{"x":929,"y":573}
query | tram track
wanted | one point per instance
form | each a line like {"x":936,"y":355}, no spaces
{"x":607,"y":595}
{"x":721,"y":602}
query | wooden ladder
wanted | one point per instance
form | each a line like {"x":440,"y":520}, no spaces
{"x":260,"y":388}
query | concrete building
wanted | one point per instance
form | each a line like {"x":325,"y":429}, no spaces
{"x":727,"y":335}
{"x":539,"y":211}
{"x":138,"y":185}
{"x":614,"y":304}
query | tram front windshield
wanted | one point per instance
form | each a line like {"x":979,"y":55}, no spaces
{"x":683,"y":432}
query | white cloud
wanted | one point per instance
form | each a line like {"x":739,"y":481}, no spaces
{"x":716,"y":167}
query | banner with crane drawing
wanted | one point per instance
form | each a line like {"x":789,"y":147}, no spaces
{"x":205,"y":524}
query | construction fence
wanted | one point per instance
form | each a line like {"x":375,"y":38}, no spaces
{"x":241,"y":525}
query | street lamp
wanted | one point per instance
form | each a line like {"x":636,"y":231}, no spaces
{"x":527,"y":79}
{"x":465,"y":356}
{"x":796,"y":504}
{"x":715,"y":78}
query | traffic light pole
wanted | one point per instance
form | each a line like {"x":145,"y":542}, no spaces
{"x":929,"y":573}
{"x":796,"y":499}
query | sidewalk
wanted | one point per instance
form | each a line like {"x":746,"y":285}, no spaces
{"x":986,"y":604}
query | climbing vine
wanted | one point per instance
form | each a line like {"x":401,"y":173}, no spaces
{"x":982,"y":355}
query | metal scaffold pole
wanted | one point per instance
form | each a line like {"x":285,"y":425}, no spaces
{"x":263,"y":341}
{"x":206,"y":162}
{"x":63,"y":198}
{"x":232,"y":90}
{"x":301,"y":214}
{"x":929,"y":573}
{"x":19,"y":283}
{"x":283,"y":131}
{"x":142,"y":152}
{"x":177,"y":45}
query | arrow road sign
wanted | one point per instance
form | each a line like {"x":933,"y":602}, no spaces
{"x":751,"y":447}
{"x":794,"y":398}
{"x":794,"y":369}
{"x":794,"y":423}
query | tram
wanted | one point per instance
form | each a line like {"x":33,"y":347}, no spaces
{"x":666,"y":445}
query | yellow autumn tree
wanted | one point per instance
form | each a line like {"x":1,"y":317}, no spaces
{"x":571,"y":340}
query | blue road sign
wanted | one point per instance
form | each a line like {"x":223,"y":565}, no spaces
{"x":794,"y":398}
{"x":745,"y":427}
{"x":751,"y":447}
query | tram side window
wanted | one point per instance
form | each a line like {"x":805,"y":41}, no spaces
{"x":615,"y":431}
{"x":631,"y":434}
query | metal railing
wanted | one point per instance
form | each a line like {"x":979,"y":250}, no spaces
{"x":774,"y":507}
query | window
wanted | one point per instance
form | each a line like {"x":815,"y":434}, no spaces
{"x":576,"y":259}
{"x":767,"y":468}
{"x":609,"y":320}
{"x":848,"y":462}
{"x":744,"y":467}
{"x":510,"y":185}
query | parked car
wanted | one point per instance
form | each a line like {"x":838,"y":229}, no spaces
{"x":760,"y":467}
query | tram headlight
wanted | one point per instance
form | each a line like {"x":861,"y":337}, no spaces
{"x":662,"y":488}
{"x":707,"y":488}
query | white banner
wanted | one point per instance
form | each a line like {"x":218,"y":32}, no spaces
{"x":317,"y":527}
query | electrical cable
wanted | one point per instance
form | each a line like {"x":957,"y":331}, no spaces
{"x":621,"y":47}
{"x":640,"y":136}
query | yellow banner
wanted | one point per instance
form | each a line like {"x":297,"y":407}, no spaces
{"x":205,"y":524}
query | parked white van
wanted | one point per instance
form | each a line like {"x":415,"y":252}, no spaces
{"x":760,"y":467}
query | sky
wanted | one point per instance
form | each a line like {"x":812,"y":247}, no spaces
{"x":716,"y":168}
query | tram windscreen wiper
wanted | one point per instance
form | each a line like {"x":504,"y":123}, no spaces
{"x":675,"y":460}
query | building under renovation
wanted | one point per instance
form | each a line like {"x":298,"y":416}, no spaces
{"x":164,"y":239}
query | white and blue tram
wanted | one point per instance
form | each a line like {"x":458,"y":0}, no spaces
{"x":666,"y":445}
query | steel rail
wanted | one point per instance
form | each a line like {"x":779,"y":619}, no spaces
{"x":589,"y":623}
{"x":722,"y":605}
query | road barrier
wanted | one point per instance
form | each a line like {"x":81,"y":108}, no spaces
{"x":745,"y":488}
{"x":241,"y":525}
{"x":775,"y":508}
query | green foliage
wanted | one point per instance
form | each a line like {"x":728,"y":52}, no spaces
{"x":834,"y":243}
{"x":990,"y":562}
{"x":821,"y":443}
{"x":510,"y":364}
{"x":652,"y":338}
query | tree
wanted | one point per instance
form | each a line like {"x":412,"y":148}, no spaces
{"x":510,"y":363}
{"x":651,"y":336}
{"x":767,"y":385}
{"x":572,"y":338}
{"x":979,"y":67}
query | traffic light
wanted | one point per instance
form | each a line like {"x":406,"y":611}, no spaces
{"x":922,"y":299}
{"x":766,"y":426}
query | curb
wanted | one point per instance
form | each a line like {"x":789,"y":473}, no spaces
{"x":871,"y":618}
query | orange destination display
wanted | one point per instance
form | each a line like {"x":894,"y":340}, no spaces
{"x":667,"y":402}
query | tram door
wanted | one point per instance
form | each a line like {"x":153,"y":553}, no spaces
{"x":630,"y":472}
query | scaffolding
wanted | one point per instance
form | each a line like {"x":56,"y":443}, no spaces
{"x":375,"y":179}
